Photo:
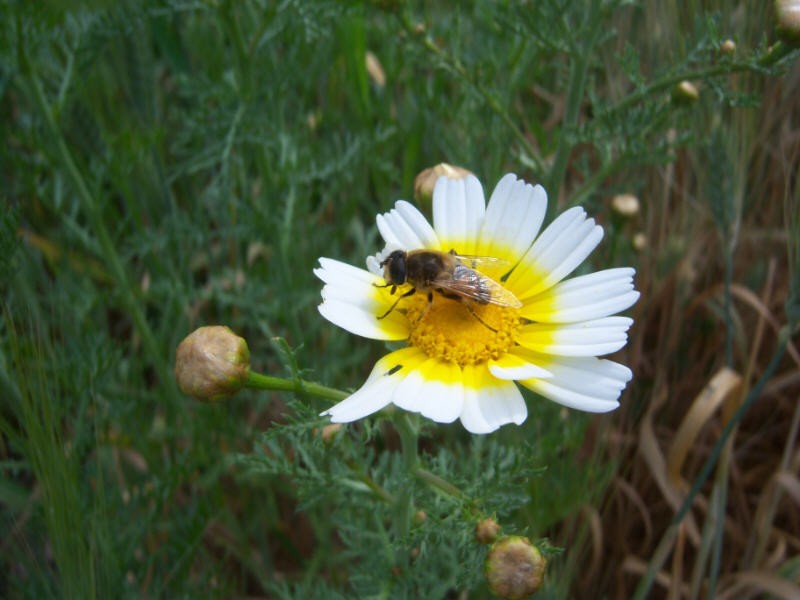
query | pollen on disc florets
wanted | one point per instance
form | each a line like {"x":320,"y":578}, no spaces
{"x":445,"y":328}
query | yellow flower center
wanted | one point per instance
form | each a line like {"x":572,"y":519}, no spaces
{"x":456,"y":332}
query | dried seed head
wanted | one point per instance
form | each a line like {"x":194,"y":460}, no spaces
{"x":625,"y":205}
{"x":329,"y":431}
{"x":514,"y":568}
{"x":486,"y":531}
{"x":211,"y":363}
{"x":728,"y":47}
{"x":787,"y":20}
{"x":685,"y":92}
{"x":375,"y":70}
{"x":424,"y":182}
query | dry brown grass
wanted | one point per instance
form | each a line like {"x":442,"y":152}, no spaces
{"x":684,"y":394}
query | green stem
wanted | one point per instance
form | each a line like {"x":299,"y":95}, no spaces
{"x":379,"y":492}
{"x":301,"y":386}
{"x":438,"y":483}
{"x":772,"y":56}
{"x":407,"y":426}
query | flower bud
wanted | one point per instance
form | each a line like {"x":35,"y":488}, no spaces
{"x":514,"y":568}
{"x":486,"y":531}
{"x":787,"y":19}
{"x":639,"y":241}
{"x":375,"y":70}
{"x":328,"y":432}
{"x":727,"y":47}
{"x":426,"y":180}
{"x":685,"y":93}
{"x":625,"y":205}
{"x":211,"y":363}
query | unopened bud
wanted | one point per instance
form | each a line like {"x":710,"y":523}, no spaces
{"x":486,"y":531}
{"x":787,"y":20}
{"x":514,"y":568}
{"x":211,"y":363}
{"x":329,"y":431}
{"x":625,"y":205}
{"x":685,"y":93}
{"x":639,"y":241}
{"x":375,"y":70}
{"x":426,"y":180}
{"x":727,"y":47}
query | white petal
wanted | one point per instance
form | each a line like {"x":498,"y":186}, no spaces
{"x":370,"y":398}
{"x":472,"y":418}
{"x":584,"y":383}
{"x":588,"y":338}
{"x":583,"y":298}
{"x":374,"y":265}
{"x":404,"y":227}
{"x":351,"y":301}
{"x":389,"y":372}
{"x":446,"y":401}
{"x":407,"y":395}
{"x":458,"y":210}
{"x":434,"y":389}
{"x":513,"y":366}
{"x":337,"y":272}
{"x":362,"y":322}
{"x":489,"y":403}
{"x":563,"y":246}
{"x":505,"y":405}
{"x":513,"y":217}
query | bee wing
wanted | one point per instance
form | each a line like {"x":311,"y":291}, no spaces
{"x":491,"y":266}
{"x":482,"y":262}
{"x":468,"y":283}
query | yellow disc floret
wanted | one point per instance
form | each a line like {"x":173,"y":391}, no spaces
{"x":466,"y":335}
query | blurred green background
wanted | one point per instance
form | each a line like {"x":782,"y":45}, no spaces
{"x":172,"y":164}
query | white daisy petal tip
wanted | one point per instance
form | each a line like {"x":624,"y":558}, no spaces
{"x":519,"y":371}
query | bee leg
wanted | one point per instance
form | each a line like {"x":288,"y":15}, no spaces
{"x":385,"y":285}
{"x":481,"y":321}
{"x":391,"y":308}
{"x":466,"y":304}
{"x":427,"y":308}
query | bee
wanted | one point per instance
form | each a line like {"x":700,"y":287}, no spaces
{"x":447,"y":274}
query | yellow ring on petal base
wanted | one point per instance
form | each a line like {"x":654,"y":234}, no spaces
{"x":446,"y":329}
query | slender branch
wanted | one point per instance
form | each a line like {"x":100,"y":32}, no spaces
{"x":266,"y":382}
{"x":407,"y":426}
{"x":438,"y":483}
{"x":772,"y":56}
{"x":379,"y":492}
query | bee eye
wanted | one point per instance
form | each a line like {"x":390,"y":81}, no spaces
{"x":397,"y":271}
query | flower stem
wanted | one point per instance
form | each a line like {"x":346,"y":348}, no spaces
{"x":407,"y":426}
{"x":438,"y":483}
{"x":265,"y":382}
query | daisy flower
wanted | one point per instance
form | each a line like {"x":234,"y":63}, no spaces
{"x":524,"y":324}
